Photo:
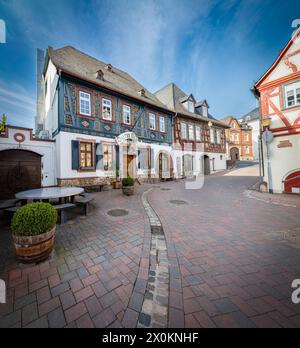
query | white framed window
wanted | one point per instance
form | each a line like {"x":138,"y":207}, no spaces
{"x":152,"y":121}
{"x":191,"y":107}
{"x":212,"y":135}
{"x":183,"y":130}
{"x":232,"y":137}
{"x":191,"y":132}
{"x":218,"y":136}
{"x":236,"y":138}
{"x":247,"y":150}
{"x":162,"y":124}
{"x":126,"y":114}
{"x":292,"y":94}
{"x":233,"y":125}
{"x":198,"y":133}
{"x":205,"y":111}
{"x":84,"y":103}
{"x":108,"y":157}
{"x":246,"y":137}
{"x":107,"y":109}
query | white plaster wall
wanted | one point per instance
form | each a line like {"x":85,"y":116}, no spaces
{"x":283,"y":160}
{"x":255,"y":134}
{"x":282,"y":69}
{"x":64,"y":156}
{"x":44,"y":148}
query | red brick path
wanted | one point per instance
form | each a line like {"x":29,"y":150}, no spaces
{"x":230,"y":265}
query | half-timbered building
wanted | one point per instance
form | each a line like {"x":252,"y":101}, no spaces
{"x":87,"y":105}
{"x":278,"y":91}
{"x":199,"y":139}
{"x":238,"y":140}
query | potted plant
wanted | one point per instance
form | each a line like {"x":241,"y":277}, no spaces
{"x":128,"y":186}
{"x":33,"y":227}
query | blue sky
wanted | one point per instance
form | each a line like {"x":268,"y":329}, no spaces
{"x":214,"y":49}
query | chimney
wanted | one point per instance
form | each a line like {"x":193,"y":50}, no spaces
{"x":100,"y":75}
{"x":40,"y":89}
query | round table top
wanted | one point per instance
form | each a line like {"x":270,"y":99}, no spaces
{"x":50,"y":193}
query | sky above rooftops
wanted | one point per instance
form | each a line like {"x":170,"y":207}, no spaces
{"x":213,"y":49}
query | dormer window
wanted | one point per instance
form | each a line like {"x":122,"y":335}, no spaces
{"x":142,"y":93}
{"x":108,"y":67}
{"x":205,"y":111}
{"x":191,"y":106}
{"x":100,"y":75}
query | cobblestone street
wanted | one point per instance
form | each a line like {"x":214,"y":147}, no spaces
{"x":222,"y":256}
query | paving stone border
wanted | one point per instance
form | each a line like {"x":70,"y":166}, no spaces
{"x":154,"y":311}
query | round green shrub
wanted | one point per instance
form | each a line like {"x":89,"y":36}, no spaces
{"x":33,"y":219}
{"x":129,"y":181}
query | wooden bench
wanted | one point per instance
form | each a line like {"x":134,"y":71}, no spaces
{"x":9,"y":203}
{"x":84,"y":202}
{"x":62,"y":211}
{"x":12,"y":209}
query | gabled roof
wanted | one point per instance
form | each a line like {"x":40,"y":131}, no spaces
{"x":188,"y":97}
{"x":172,"y":96}
{"x":202,"y":102}
{"x":78,"y":64}
{"x":228,"y":120}
{"x":278,"y":59}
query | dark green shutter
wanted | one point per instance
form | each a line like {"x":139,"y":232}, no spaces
{"x":75,"y":154}
{"x":99,"y":156}
{"x":139,"y":159}
{"x":117,"y":151}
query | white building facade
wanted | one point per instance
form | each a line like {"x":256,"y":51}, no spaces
{"x":278,"y":91}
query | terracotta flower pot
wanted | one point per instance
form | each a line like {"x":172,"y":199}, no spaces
{"x":31,"y":249}
{"x":128,"y":190}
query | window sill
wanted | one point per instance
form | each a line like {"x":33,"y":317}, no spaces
{"x":107,"y":121}
{"x":83,"y":170}
{"x":288,"y":108}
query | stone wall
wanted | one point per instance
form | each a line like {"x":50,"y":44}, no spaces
{"x":85,"y":182}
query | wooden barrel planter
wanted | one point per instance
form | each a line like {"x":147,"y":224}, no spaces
{"x":32,"y":249}
{"x":128,"y":190}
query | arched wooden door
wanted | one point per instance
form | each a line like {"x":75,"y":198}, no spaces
{"x":292,"y":183}
{"x":234,"y":154}
{"x":20,"y":170}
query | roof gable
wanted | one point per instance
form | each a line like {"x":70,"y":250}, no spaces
{"x":287,"y":62}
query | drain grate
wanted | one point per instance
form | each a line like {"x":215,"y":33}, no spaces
{"x":157,"y":230}
{"x":117,"y":212}
{"x":178,"y":202}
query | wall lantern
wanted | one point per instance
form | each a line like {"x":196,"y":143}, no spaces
{"x":210,"y":124}
{"x":266,"y":121}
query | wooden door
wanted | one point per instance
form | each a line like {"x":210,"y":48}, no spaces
{"x":20,"y":170}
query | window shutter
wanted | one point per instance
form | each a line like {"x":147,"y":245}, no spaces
{"x":75,"y":154}
{"x":139,"y":159}
{"x":99,"y":156}
{"x":117,"y":154}
{"x":152,"y":164}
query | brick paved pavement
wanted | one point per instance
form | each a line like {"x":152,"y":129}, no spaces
{"x":229,"y":264}
{"x":98,"y":263}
